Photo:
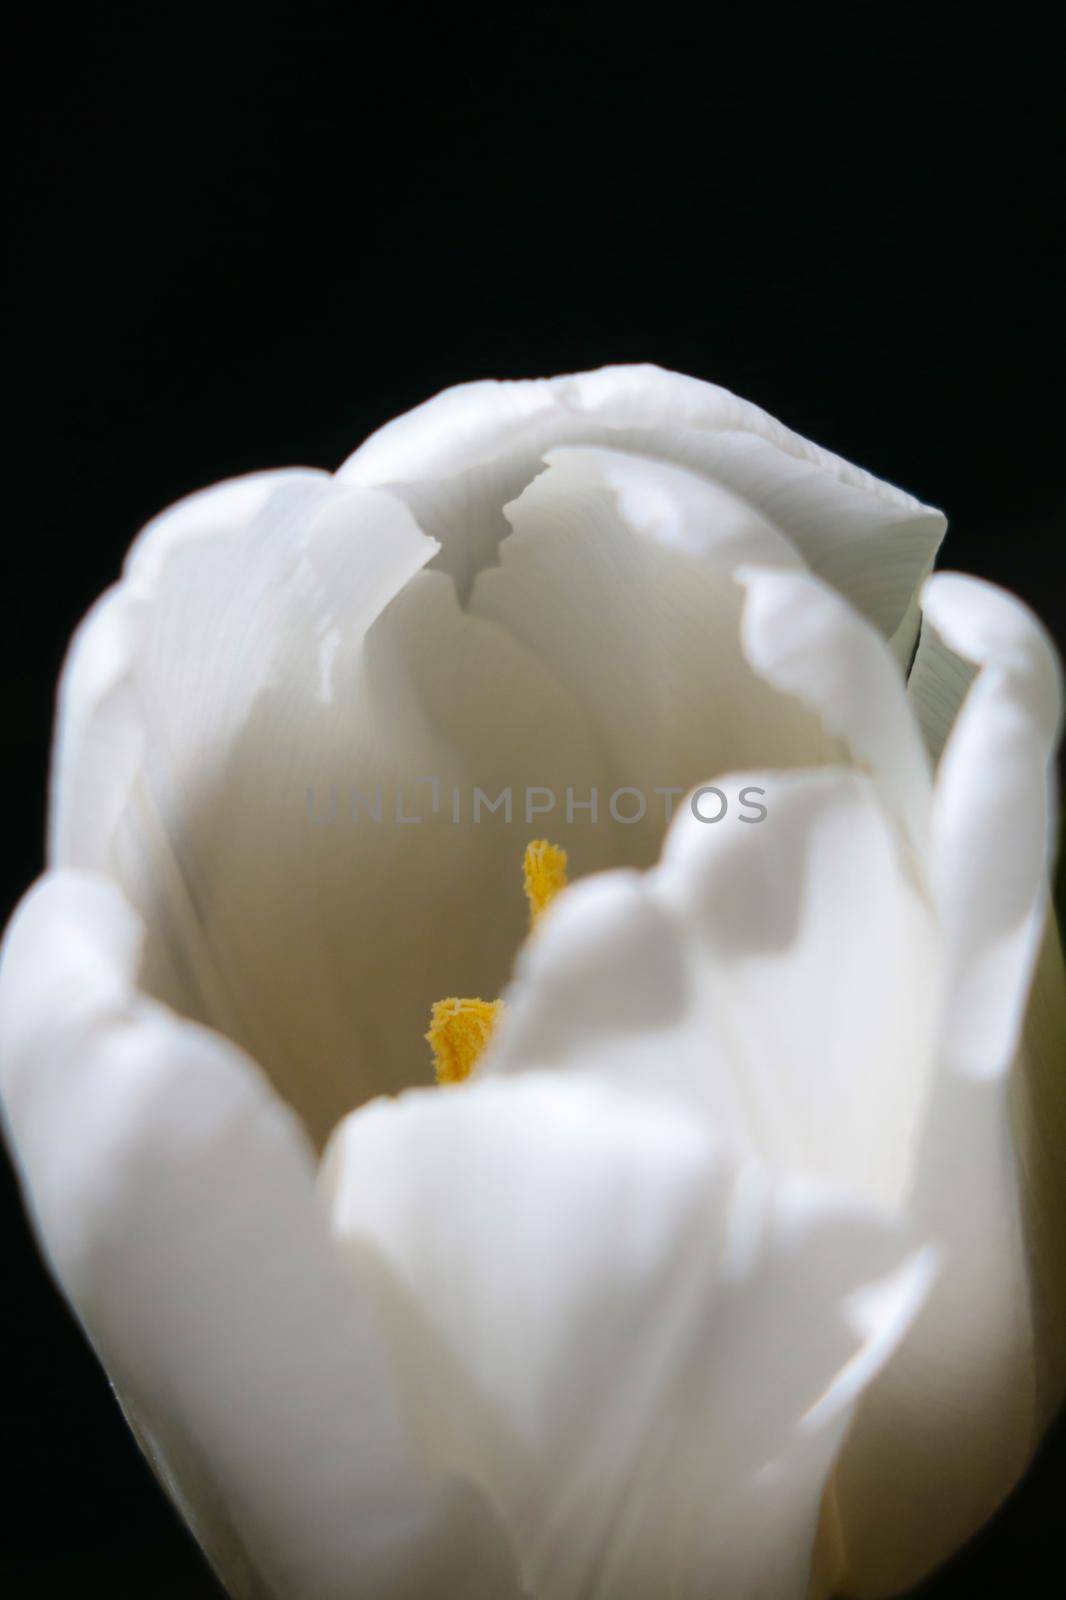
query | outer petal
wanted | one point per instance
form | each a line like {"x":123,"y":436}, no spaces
{"x":950,"y":1425}
{"x":274,"y":667}
{"x":458,"y":459}
{"x":174,"y":1197}
{"x":995,"y":805}
{"x":1039,"y":1119}
{"x":645,"y":1354}
{"x":100,"y":723}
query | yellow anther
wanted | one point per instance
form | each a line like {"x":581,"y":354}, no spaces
{"x":544,"y":869}
{"x":459,"y":1030}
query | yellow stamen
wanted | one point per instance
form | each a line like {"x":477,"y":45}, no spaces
{"x":459,"y":1030}
{"x":544,"y":869}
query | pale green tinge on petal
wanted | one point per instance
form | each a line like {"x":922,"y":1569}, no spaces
{"x":903,"y":643}
{"x":174,"y":1197}
{"x":938,"y":684}
{"x":645,"y":1353}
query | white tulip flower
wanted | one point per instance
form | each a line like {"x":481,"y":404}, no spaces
{"x":735,"y":1267}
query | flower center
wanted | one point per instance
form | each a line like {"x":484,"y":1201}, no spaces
{"x":460,"y":1029}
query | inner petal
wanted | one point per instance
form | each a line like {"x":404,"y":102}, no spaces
{"x":620,"y":576}
{"x":310,"y":880}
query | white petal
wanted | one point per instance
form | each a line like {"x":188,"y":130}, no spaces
{"x":175,"y":1199}
{"x":458,"y":459}
{"x":801,"y":637}
{"x":1038,"y":1089}
{"x":779,"y":976}
{"x":100,"y":723}
{"x":995,"y":809}
{"x":949,"y":1426}
{"x":646,"y":1355}
{"x":99,"y":735}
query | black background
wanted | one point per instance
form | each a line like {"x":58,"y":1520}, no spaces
{"x":245,"y":243}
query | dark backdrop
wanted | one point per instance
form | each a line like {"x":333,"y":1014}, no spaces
{"x":241,"y":245}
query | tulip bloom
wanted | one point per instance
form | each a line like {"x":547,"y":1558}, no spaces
{"x":731,"y":1261}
